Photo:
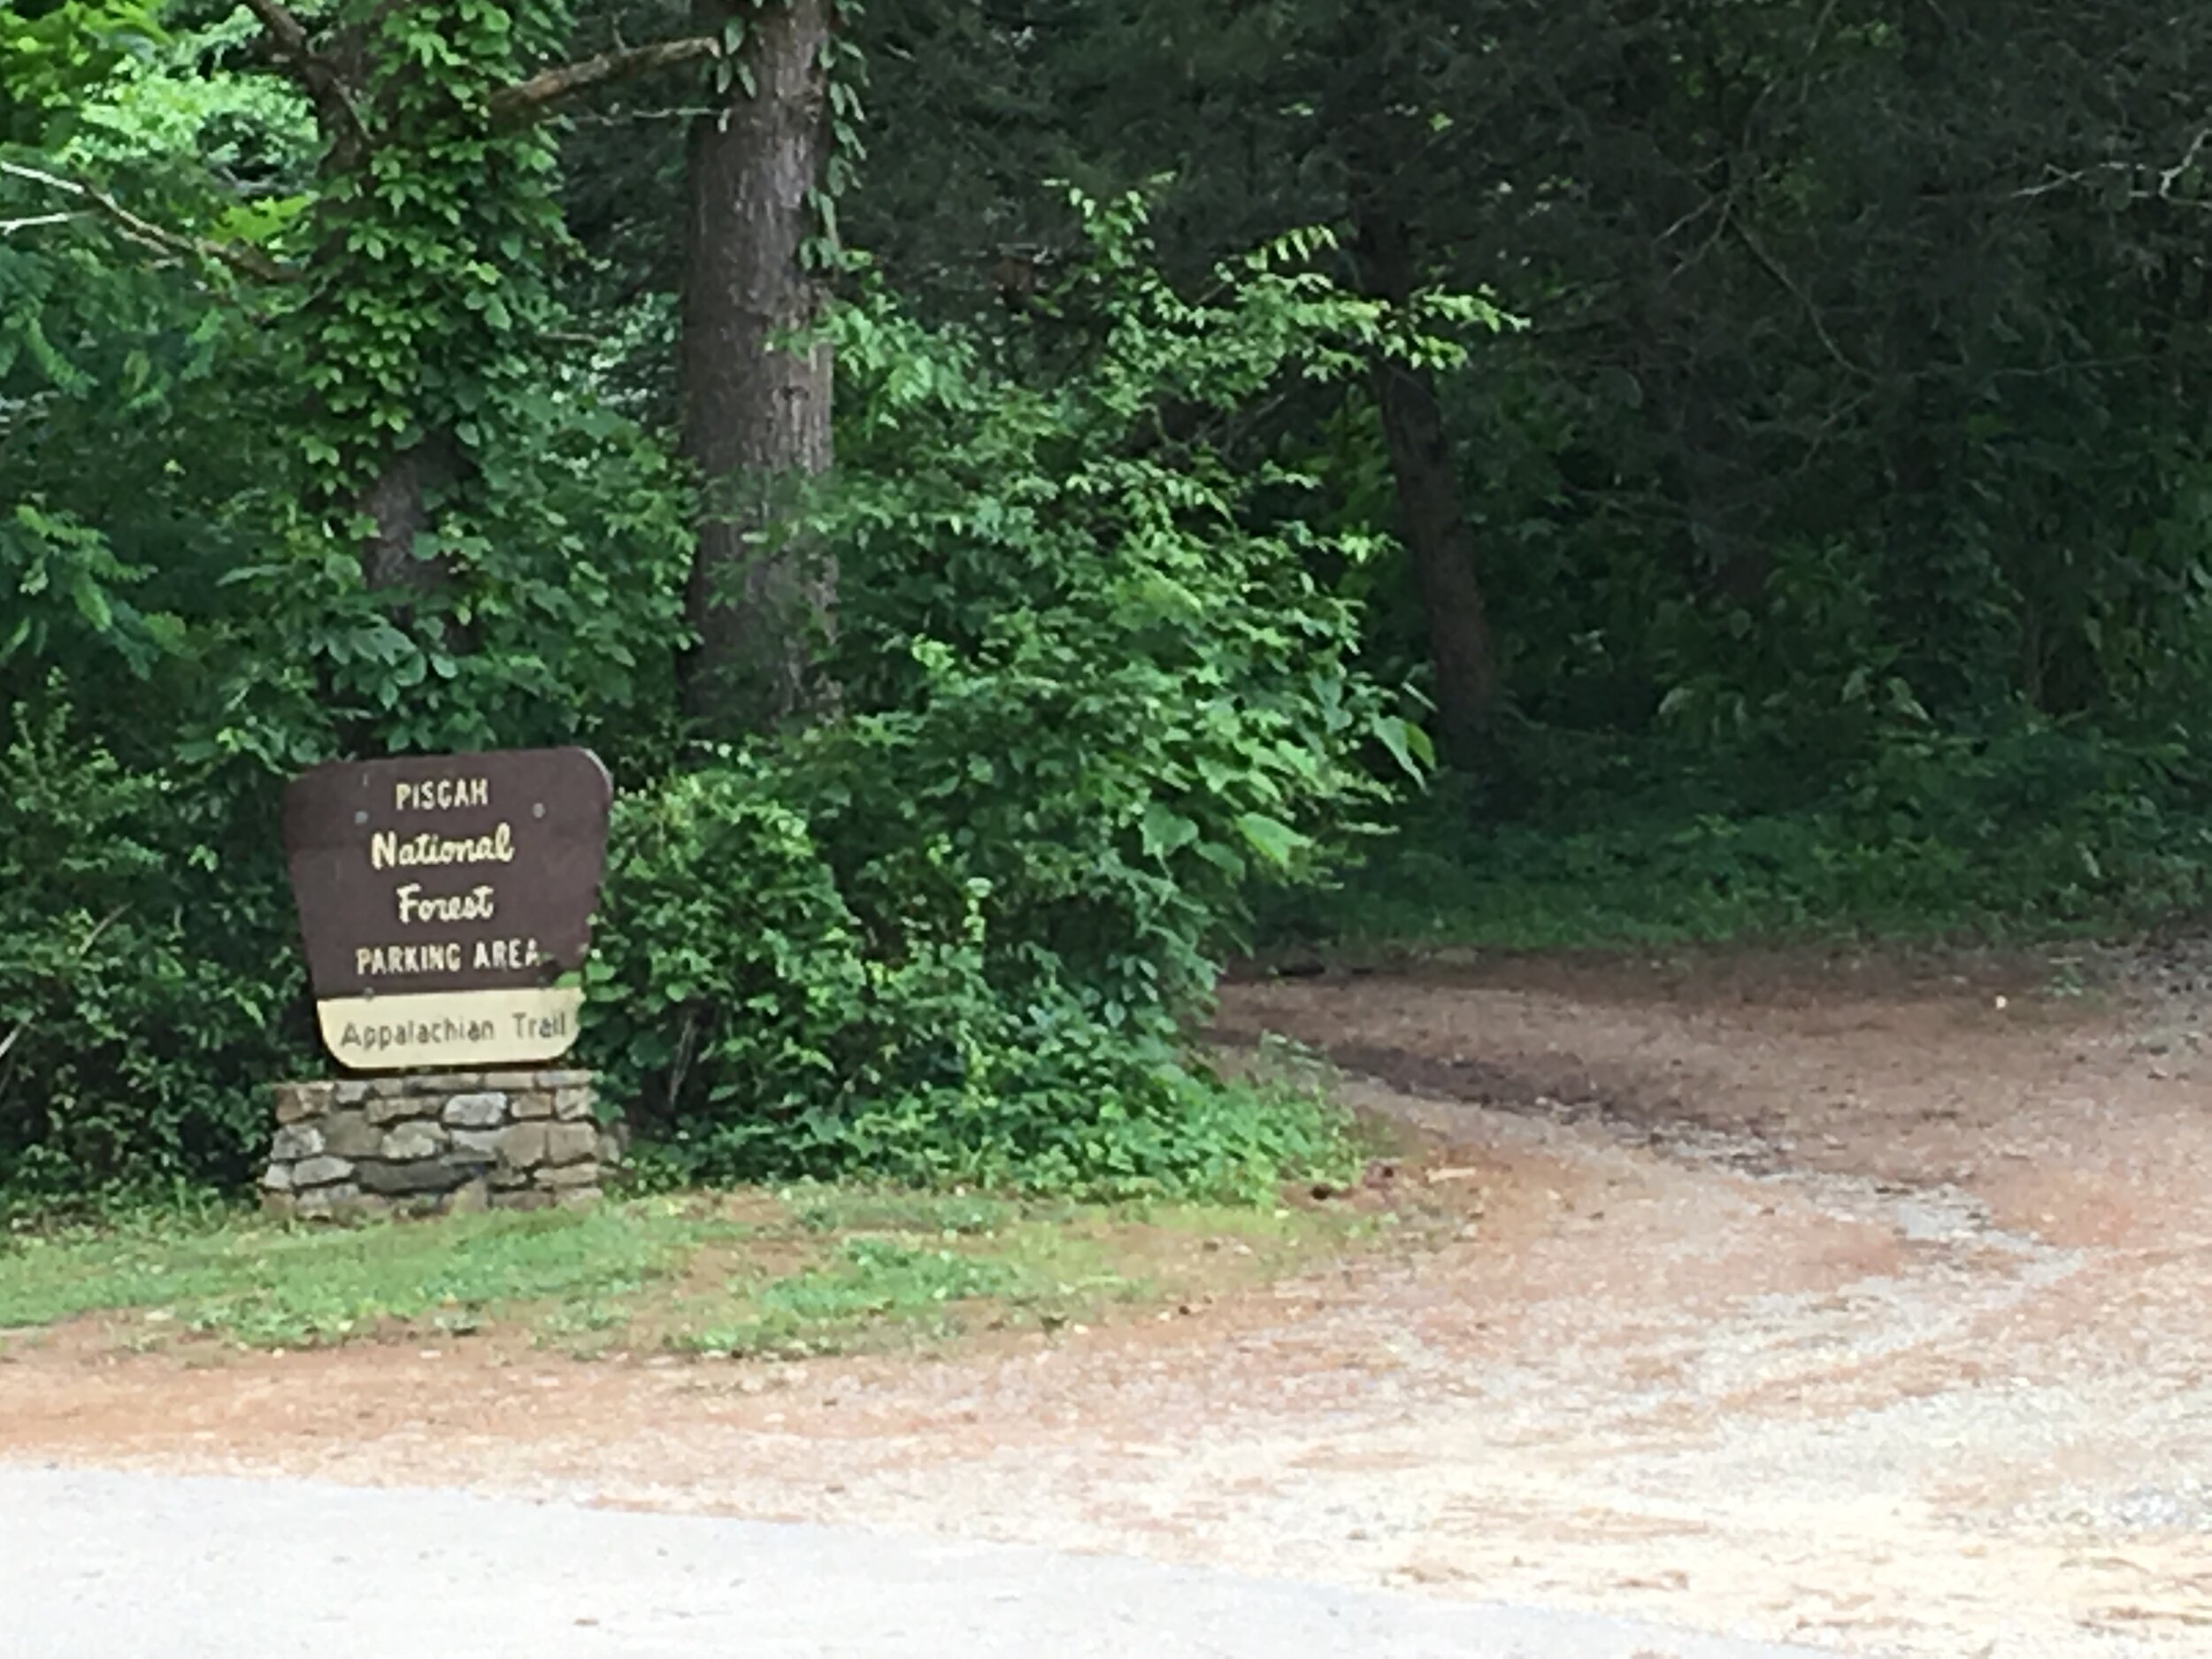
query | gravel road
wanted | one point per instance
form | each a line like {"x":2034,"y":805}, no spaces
{"x":1843,"y":1310}
{"x":109,"y":1566}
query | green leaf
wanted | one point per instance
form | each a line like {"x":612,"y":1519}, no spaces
{"x":1166,"y":831}
{"x":92,"y":603}
{"x":1273,"y":839}
{"x":1409,"y":745}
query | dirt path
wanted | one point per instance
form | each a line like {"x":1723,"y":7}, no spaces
{"x":1803,"y":1307}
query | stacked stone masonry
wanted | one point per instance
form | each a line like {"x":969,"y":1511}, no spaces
{"x":437,"y":1144}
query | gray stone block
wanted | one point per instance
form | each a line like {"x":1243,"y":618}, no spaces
{"x":571,"y":1143}
{"x":572,"y":1104}
{"x":445,"y":1082}
{"x":523,"y":1145}
{"x":569,"y":1176}
{"x":295,"y":1101}
{"x":487,"y":1141}
{"x":528,"y":1104}
{"x":485,"y":1110}
{"x":349,"y":1134}
{"x":563,"y":1080}
{"x":328,"y":1203}
{"x":322,"y":1171}
{"x":278,"y":1179}
{"x":411,"y":1141}
{"x":386,"y":1109}
{"x":297,"y":1140}
{"x":351,"y":1092}
{"x":406,"y":1180}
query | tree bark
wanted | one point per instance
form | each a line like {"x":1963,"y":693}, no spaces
{"x":399,"y":500}
{"x":399,"y":504}
{"x":756,"y":410}
{"x":1431,"y":516}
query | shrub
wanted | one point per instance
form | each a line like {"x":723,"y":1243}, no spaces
{"x":1093,"y":698}
{"x":142,"y":1023}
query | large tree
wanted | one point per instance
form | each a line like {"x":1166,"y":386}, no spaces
{"x":428,"y":231}
{"x":756,"y":383}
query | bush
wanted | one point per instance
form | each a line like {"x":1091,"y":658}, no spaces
{"x":142,"y":1023}
{"x":2025,"y":829}
{"x":1094,"y":697}
{"x":763,"y":1030}
{"x":1091,"y":697}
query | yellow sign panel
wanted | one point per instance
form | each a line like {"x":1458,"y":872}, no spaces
{"x":451,"y":1029}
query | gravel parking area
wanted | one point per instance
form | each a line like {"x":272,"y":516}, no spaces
{"x":1826,"y":1306}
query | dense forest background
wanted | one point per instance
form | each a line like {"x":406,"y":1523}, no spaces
{"x":1022,"y":493}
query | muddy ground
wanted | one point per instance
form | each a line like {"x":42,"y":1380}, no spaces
{"x":1851,"y":1303}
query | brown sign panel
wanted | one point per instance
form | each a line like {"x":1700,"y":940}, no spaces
{"x":443,"y":896}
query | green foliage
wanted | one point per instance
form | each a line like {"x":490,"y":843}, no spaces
{"x":422,"y":310}
{"x":424,"y":335}
{"x":134,"y":1044}
{"x":184,"y":618}
{"x":1845,"y":458}
{"x":1094,"y":695}
{"x":561,"y":623}
{"x":1844,"y":520}
{"x":71,"y":594}
{"x":2027,"y":831}
{"x":763,"y":1027}
{"x":49,"y":54}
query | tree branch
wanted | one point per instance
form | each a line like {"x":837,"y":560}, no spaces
{"x":525,"y":99}
{"x":1789,"y":285}
{"x":247,"y":261}
{"x":2169,"y":179}
{"x":287,"y":32}
{"x":335,"y":111}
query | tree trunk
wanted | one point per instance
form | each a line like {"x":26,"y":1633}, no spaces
{"x":334,"y":73}
{"x":1431,"y":517}
{"x":399,"y":505}
{"x":755,"y":412}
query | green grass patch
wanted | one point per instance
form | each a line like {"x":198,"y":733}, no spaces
{"x":805,"y":1270}
{"x":922,"y":1269}
{"x":269,"y":1286}
{"x":844,"y":1209}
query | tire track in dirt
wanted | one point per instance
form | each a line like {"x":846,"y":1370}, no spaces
{"x":1993,"y":1431}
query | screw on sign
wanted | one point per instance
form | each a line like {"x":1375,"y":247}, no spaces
{"x":446,"y":902}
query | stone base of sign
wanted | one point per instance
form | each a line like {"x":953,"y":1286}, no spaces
{"x":436,"y":1143}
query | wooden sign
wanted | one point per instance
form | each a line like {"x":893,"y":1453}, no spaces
{"x":446,"y":902}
